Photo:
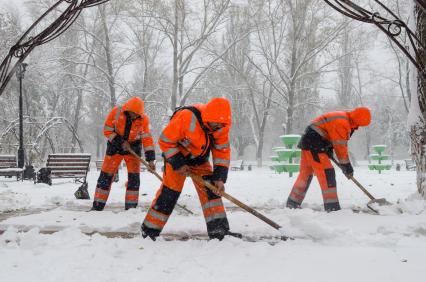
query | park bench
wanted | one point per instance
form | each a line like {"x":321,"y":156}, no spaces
{"x":73,"y":166}
{"x":237,"y":165}
{"x":9,"y":167}
{"x":410,"y":164}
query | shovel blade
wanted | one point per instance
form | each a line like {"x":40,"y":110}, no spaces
{"x":380,"y":202}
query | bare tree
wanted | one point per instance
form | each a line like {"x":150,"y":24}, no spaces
{"x":236,"y":76}
{"x":418,"y":109}
{"x":188,"y":26}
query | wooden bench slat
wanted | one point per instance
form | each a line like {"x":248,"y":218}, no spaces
{"x":67,"y":160}
{"x":68,"y":165}
{"x":79,"y":172}
{"x":6,"y":162}
{"x":69,"y":156}
{"x":67,"y":168}
{"x":66,"y":176}
{"x":69,"y":172}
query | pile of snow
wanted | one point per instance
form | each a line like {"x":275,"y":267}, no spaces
{"x":345,"y":245}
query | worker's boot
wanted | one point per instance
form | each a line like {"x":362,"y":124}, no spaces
{"x":221,"y":233}
{"x":329,"y":207}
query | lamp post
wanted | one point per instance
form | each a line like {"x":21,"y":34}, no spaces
{"x":21,"y":151}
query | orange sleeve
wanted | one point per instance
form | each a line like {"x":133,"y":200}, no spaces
{"x":339,"y":138}
{"x":221,"y":149}
{"x":147,"y":140}
{"x":171,"y":135}
{"x":109,"y":125}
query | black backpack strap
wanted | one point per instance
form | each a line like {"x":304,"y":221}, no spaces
{"x":195,"y":111}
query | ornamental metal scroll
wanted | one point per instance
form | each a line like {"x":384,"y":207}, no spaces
{"x":28,"y":42}
{"x":391,"y":27}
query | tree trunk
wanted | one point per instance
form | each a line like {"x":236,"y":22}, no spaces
{"x":98,"y":146}
{"x":180,"y":64}
{"x":289,"y":125}
{"x":407,"y":80}
{"x":78,"y":107}
{"x":418,"y":137}
{"x":76,"y":119}
{"x":108,"y":57}
{"x":292,"y":90}
{"x":367,"y":143}
{"x":262,"y":127}
{"x":418,"y":129}
{"x":259,"y":150}
{"x":240,"y":152}
{"x":175,"y":59}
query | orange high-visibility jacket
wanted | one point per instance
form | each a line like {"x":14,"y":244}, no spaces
{"x":139,"y":131}
{"x":336,"y":127}
{"x":183,"y":139}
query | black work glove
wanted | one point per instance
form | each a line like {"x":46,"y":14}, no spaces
{"x":347,"y":169}
{"x":177,"y":161}
{"x":329,"y":151}
{"x":220,"y":173}
{"x":117,"y":141}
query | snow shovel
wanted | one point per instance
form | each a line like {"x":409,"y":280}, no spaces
{"x":380,"y":202}
{"x":200,"y":180}
{"x":156,"y":174}
{"x":210,"y":186}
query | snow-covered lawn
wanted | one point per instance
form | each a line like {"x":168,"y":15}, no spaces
{"x":339,"y":246}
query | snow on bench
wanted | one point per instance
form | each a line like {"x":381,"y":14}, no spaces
{"x":237,"y":165}
{"x":9,"y":167}
{"x":68,"y":166}
{"x":410,"y":164}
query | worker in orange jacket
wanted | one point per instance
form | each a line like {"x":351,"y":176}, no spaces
{"x":126,"y":127}
{"x":186,"y":142}
{"x":327,"y":132}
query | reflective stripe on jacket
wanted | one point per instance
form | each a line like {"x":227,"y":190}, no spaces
{"x":116,"y":123}
{"x":184,"y":135}
{"x":335,"y":127}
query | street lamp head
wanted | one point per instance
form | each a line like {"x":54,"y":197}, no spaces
{"x":21,"y":70}
{"x":24,"y":66}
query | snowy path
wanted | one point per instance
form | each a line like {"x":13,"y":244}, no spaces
{"x":343,"y":245}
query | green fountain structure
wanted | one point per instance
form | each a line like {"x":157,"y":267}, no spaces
{"x":287,"y":157}
{"x":379,"y":157}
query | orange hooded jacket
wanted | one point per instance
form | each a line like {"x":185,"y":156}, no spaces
{"x":184,"y":141}
{"x":139,"y":130}
{"x":337,"y":127}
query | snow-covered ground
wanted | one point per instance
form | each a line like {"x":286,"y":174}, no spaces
{"x":338,"y":246}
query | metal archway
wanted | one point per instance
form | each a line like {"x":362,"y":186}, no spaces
{"x":391,"y":27}
{"x":11,"y":131}
{"x":27,"y":42}
{"x":42,"y":130}
{"x":54,"y":122}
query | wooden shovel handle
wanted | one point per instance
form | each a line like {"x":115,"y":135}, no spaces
{"x":362,"y":188}
{"x":200,"y":180}
{"x":355,"y":181}
{"x":145,"y":163}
